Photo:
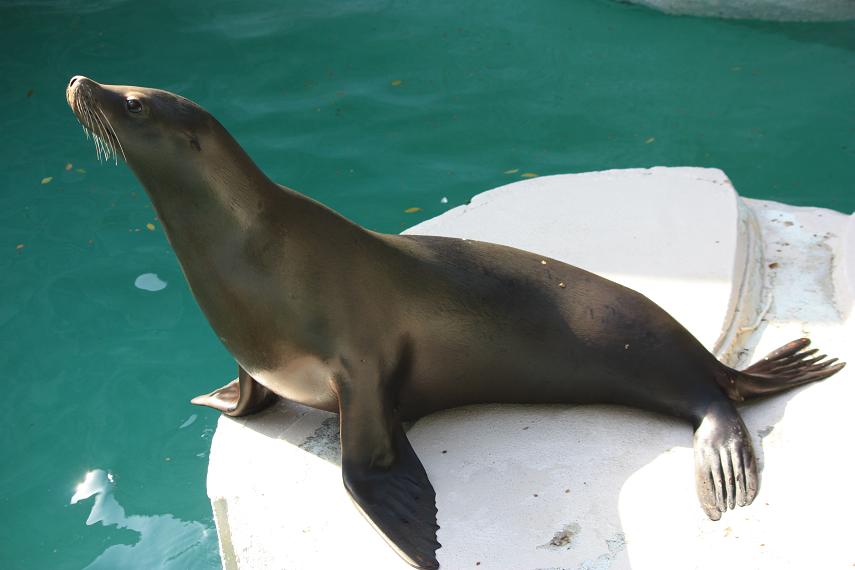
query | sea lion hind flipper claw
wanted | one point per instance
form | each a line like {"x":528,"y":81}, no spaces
{"x":240,"y":397}
{"x":391,"y":489}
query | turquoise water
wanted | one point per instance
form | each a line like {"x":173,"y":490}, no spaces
{"x":371,"y":107}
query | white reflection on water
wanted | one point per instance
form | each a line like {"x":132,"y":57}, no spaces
{"x":188,"y":422}
{"x":164,"y":541}
{"x":149,"y":282}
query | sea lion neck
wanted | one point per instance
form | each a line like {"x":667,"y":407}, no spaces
{"x":218,"y":195}
{"x":215,"y":193}
{"x":227,"y":220}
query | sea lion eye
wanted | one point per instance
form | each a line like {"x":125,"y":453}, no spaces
{"x":133,"y":104}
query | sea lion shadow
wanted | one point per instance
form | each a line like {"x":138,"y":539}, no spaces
{"x":554,"y":479}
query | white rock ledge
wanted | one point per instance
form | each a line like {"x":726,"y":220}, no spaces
{"x":596,"y":487}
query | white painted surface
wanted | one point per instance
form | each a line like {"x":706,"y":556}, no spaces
{"x":781,"y":10}
{"x":844,"y":269}
{"x":619,"y":480}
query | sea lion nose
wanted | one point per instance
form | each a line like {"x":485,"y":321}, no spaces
{"x":74,"y":80}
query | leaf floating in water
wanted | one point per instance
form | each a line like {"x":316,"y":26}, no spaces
{"x":81,"y":170}
{"x":19,"y":246}
{"x":511,"y":171}
{"x":412,"y":210}
{"x":30,"y":93}
{"x":68,"y":167}
{"x":150,"y":227}
{"x":529,"y":175}
{"x":397,"y":83}
{"x":47,"y":179}
{"x":650,"y":140}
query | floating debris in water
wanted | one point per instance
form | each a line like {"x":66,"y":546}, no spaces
{"x":412,"y":210}
{"x":650,"y":140}
{"x":47,"y":179}
{"x":512,"y":171}
{"x":149,"y":226}
{"x":443,"y":200}
{"x":397,"y":83}
{"x":528,"y":175}
{"x":68,"y":166}
{"x":149,"y":282}
{"x":19,"y":246}
{"x":81,"y":170}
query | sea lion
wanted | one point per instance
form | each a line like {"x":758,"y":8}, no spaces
{"x":386,"y":328}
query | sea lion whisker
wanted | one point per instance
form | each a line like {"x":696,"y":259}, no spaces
{"x":93,"y":125}
{"x":116,"y":138}
{"x":105,"y":135}
{"x":106,"y":144}
{"x":84,"y":105}
{"x":105,"y":148}
{"x":77,"y":115}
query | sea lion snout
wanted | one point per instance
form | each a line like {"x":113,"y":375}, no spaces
{"x":73,"y":89}
{"x":70,"y":90}
{"x":87,"y":100}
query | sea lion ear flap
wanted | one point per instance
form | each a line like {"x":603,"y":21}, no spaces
{"x":389,"y":486}
{"x":194,"y":141}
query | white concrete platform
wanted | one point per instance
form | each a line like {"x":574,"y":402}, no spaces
{"x":561,"y":487}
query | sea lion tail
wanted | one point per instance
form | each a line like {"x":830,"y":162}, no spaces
{"x":781,"y":370}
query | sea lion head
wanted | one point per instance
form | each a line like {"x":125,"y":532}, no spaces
{"x":151,"y":129}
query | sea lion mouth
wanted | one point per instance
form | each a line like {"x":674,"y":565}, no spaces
{"x":80,"y":95}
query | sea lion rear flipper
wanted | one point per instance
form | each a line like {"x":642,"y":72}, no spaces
{"x":781,"y":370}
{"x":388,"y":484}
{"x":725,"y":465}
{"x":240,"y":397}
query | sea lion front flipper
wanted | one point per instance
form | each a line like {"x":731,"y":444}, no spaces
{"x":388,"y":483}
{"x":240,"y":397}
{"x":725,"y":465}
